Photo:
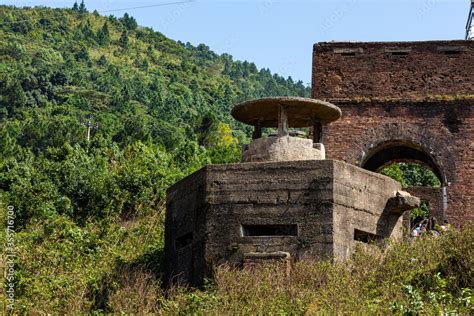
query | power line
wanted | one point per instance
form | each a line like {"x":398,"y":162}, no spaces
{"x":116,"y":10}
{"x":147,"y":6}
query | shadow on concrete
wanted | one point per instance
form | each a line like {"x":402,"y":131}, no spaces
{"x":386,"y":222}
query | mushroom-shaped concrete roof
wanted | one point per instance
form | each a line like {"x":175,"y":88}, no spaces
{"x":301,"y":112}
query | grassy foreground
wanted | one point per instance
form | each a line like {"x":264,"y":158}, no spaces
{"x":433,"y":275}
{"x":427,"y":276}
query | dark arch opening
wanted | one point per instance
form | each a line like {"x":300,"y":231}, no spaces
{"x":412,"y":158}
{"x":392,"y":152}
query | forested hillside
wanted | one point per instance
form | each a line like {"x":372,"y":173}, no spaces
{"x":159,"y":111}
{"x":162,"y":110}
{"x":89,"y":213}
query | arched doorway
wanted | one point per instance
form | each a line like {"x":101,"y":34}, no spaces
{"x":418,"y":172}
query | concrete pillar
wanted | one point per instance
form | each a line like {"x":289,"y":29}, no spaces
{"x":317,"y":131}
{"x":282,"y":122}
{"x":445,"y":202}
{"x":257,"y":132}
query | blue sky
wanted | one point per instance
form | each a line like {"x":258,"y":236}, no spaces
{"x":279,"y":34}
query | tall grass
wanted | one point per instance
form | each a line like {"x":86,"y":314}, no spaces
{"x":432,"y":275}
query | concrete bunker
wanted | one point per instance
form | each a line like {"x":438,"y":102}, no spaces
{"x":283,"y":202}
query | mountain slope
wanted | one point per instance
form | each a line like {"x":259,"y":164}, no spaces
{"x":59,"y":65}
{"x":109,"y":65}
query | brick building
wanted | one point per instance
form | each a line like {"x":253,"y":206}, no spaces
{"x":404,"y":101}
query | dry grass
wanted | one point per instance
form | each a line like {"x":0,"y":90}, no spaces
{"x":424,"y":276}
{"x":138,"y":292}
{"x":427,"y":276}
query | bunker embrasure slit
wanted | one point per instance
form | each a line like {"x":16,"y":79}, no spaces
{"x":366,"y":237}
{"x":184,"y":240}
{"x":280,"y":230}
{"x":399,"y":53}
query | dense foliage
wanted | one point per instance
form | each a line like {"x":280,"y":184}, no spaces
{"x":411,"y":175}
{"x":162,"y":110}
{"x":89,"y":214}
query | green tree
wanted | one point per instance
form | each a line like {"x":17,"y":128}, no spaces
{"x":12,"y":94}
{"x":123,"y":41}
{"x":129,"y":22}
{"x":82,"y":8}
{"x":411,"y":175}
{"x":102,"y":60}
{"x":396,"y":173}
{"x":87,"y":32}
{"x":82,"y":54}
{"x":103,"y":35}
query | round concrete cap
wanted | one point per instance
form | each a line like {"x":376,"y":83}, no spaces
{"x":301,"y":112}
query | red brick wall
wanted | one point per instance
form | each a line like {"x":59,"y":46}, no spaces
{"x":433,"y":196}
{"x":410,"y":94}
{"x":444,"y":131}
{"x":393,"y":70}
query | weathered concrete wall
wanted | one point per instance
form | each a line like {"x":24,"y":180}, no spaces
{"x":413,"y":107}
{"x":360,"y":199}
{"x":185,"y":228}
{"x":282,"y":148}
{"x":323,"y":200}
{"x":270,"y":193}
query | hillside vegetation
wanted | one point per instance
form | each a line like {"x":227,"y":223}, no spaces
{"x":89,"y":215}
{"x":162,"y":110}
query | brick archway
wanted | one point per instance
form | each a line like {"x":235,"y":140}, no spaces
{"x":384,"y":144}
{"x":366,"y":128}
{"x":378,"y":147}
{"x":418,"y":96}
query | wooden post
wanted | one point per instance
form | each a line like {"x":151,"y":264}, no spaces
{"x":317,"y":131}
{"x":257,"y":132}
{"x":282,"y":121}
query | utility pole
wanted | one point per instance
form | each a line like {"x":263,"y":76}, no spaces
{"x":88,"y":123}
{"x":470,"y":23}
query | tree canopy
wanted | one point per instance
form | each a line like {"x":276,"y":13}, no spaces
{"x":147,"y":93}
